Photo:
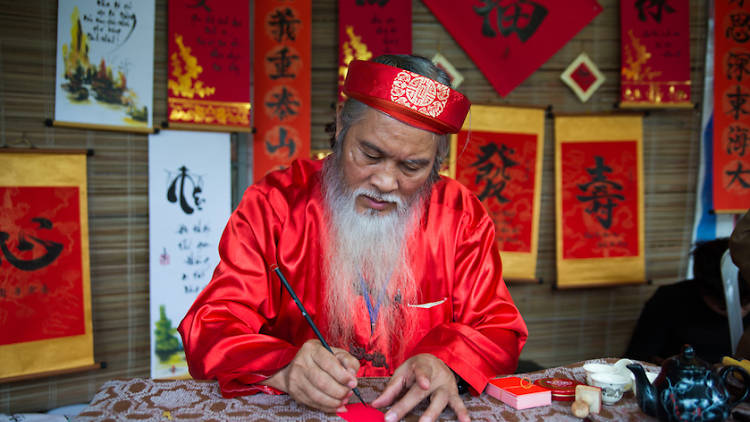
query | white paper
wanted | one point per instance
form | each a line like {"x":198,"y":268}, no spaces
{"x":116,"y":41}
{"x":189,"y":205}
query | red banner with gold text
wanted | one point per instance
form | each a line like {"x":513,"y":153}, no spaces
{"x":209,"y":65}
{"x":500,"y":160}
{"x":282,"y":83}
{"x":655,"y":38}
{"x":599,"y":200}
{"x":369,"y":28}
{"x":731,"y":149}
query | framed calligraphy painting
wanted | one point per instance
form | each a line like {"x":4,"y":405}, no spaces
{"x":282,"y":62}
{"x":209,"y":72}
{"x":105,"y":64}
{"x":45,"y":293}
{"x":498,"y":155}
{"x":508,"y":40}
{"x":189,"y":204}
{"x":599,"y":200}
{"x":731,"y":140}
{"x":655,"y":38}
{"x":369,"y":28}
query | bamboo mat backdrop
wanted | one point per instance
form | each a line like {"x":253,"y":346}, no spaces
{"x":564,"y":326}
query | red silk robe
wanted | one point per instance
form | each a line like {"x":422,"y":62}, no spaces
{"x":244,"y":327}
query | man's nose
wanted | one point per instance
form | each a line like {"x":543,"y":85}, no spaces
{"x":385,"y":179}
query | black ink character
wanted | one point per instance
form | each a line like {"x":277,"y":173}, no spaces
{"x":283,"y":61}
{"x":283,"y":143}
{"x":182,"y":176}
{"x":52,"y":249}
{"x":380,"y":3}
{"x":284,"y":105}
{"x":283,"y":24}
{"x":737,"y":100}
{"x":200,"y":3}
{"x":740,"y":3}
{"x":653,"y":8}
{"x":738,"y":140}
{"x":599,"y":190}
{"x":737,"y":66}
{"x":494,"y":175}
{"x":737,"y":175}
{"x":520,"y":16}
{"x":739,"y":27}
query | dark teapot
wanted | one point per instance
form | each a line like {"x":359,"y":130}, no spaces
{"x":687,"y":389}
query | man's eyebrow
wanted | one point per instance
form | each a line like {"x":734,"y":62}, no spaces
{"x":372,"y":147}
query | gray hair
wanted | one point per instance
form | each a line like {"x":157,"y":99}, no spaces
{"x":353,"y":110}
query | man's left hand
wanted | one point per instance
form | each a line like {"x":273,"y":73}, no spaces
{"x":422,"y":376}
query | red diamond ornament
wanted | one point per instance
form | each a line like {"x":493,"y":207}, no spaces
{"x":583,"y":77}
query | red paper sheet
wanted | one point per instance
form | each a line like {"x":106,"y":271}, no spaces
{"x":360,"y":412}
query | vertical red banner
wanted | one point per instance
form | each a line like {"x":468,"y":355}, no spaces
{"x":655,"y":38}
{"x":369,"y":28}
{"x":731,"y":144}
{"x":209,"y":65}
{"x":282,"y":63}
{"x":41,"y":288}
{"x":500,"y":168}
{"x":599,"y":199}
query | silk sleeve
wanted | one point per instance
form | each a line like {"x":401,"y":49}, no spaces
{"x":225,"y":332}
{"x":487,"y":333}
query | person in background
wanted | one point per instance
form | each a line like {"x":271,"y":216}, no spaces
{"x":739,"y":249}
{"x":398,"y":266}
{"x":689,"y":312}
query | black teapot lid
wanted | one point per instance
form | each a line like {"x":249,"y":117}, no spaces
{"x":685,"y":363}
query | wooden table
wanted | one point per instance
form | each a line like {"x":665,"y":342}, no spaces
{"x":188,"y":400}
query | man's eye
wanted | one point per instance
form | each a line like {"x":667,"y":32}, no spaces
{"x":411,"y":168}
{"x":370,"y":156}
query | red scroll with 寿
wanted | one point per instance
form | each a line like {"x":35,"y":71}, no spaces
{"x":599,"y":200}
{"x":498,"y":156}
{"x":209,"y":65}
{"x":369,"y":28}
{"x":731,"y":149}
{"x":282,"y":61}
{"x":655,"y":38}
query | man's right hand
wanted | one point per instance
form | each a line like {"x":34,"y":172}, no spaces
{"x":318,"y":378}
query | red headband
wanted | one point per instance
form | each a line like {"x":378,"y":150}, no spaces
{"x":409,"y":97}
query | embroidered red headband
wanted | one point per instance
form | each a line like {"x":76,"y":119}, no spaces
{"x":407,"y":96}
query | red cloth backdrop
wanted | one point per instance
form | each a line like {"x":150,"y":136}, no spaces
{"x":655,"y":64}
{"x":509,"y":39}
{"x":731,"y":152}
{"x":209,"y":65}
{"x":282,"y":83}
{"x":369,"y":28}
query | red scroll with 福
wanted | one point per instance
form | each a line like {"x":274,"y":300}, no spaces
{"x":209,"y":65}
{"x":282,"y":83}
{"x":599,"y":200}
{"x":369,"y":28}
{"x":500,"y":160}
{"x":731,"y":140}
{"x":655,"y":38}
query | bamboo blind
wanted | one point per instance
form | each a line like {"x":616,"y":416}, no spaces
{"x":564,"y":326}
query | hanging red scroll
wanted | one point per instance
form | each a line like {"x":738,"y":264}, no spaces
{"x":500,"y":160}
{"x":45,"y":293}
{"x":731,"y":151}
{"x":508,"y":40}
{"x":282,"y":83}
{"x":599,"y":200}
{"x":655,"y":38}
{"x":369,"y":28}
{"x":209,"y":65}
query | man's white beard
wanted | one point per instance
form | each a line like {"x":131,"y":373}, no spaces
{"x":368,"y":249}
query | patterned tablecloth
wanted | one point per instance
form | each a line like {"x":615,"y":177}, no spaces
{"x":140,"y":399}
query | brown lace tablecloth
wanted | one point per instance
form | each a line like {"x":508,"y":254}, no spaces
{"x":142,"y":399}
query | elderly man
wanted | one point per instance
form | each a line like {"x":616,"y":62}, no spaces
{"x":397,"y":265}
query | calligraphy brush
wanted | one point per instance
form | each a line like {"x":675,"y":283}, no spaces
{"x":302,"y":309}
